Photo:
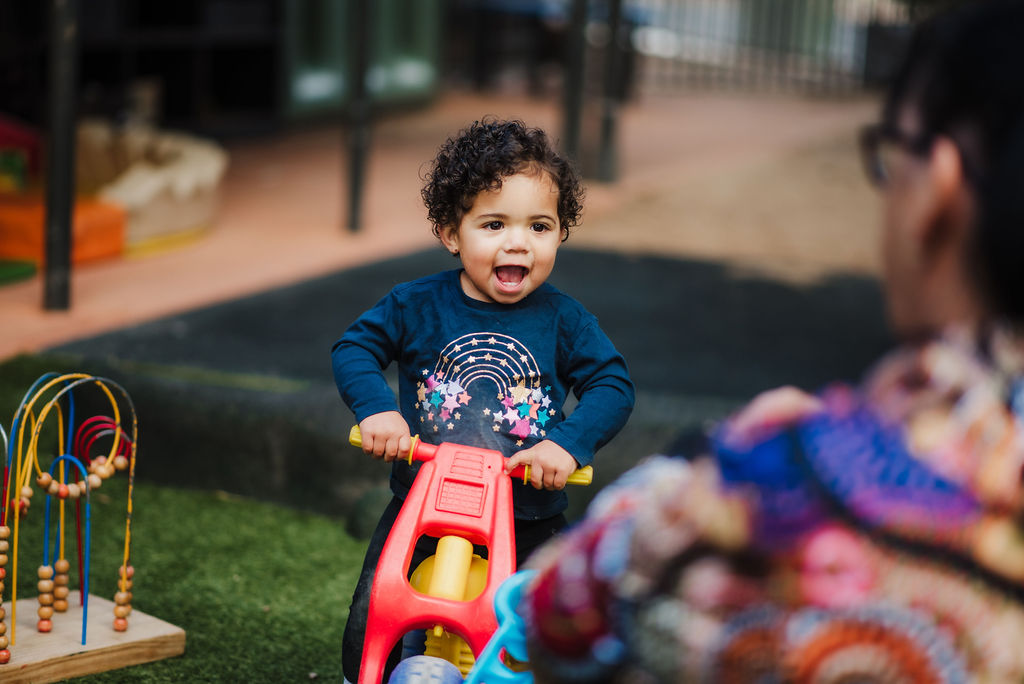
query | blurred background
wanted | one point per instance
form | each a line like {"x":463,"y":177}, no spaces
{"x":172,"y":173}
{"x":197,"y":197}
{"x":203,"y":194}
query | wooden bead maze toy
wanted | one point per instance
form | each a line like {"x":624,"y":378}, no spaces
{"x":54,"y":650}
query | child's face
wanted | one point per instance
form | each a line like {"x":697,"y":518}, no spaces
{"x":508,"y":239}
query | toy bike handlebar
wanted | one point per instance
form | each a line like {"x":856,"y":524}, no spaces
{"x":421,"y":451}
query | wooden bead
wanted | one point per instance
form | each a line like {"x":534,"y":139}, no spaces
{"x":46,"y":599}
{"x":45,"y":572}
{"x":74,"y":490}
{"x":3,"y":613}
{"x":3,"y":559}
{"x":23,"y":504}
{"x":4,"y":545}
{"x":3,"y":628}
{"x":44,"y":625}
{"x":128,"y":572}
{"x":62,"y":565}
{"x":121,"y":462}
{"x":44,"y":480}
{"x":53,"y":489}
{"x":95,"y":481}
{"x":99,"y":461}
{"x":27,"y":492}
{"x":45,"y":586}
{"x":122,"y":597}
{"x":5,"y":656}
{"x":124,"y":585}
{"x":60,"y":580}
{"x":3,"y":571}
{"x":5,"y":531}
{"x":83,"y":486}
{"x":108,"y":471}
{"x":63,"y":491}
{"x":60,"y":605}
{"x":120,"y":625}
{"x":4,"y":641}
{"x":45,"y":612}
{"x":60,"y":592}
{"x":122,"y":611}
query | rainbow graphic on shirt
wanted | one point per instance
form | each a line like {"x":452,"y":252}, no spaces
{"x":492,"y":367}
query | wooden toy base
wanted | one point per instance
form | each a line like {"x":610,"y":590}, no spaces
{"x":59,"y":654}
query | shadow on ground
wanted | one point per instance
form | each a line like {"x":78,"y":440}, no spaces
{"x":239,"y":396}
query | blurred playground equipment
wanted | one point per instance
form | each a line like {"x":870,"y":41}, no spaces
{"x":138,"y":188}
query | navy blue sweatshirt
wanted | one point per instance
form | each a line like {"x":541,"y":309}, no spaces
{"x":486,"y":374}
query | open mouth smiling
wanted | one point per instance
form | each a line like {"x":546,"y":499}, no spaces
{"x":510,"y":275}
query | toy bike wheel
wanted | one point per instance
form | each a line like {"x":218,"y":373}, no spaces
{"x":425,"y":670}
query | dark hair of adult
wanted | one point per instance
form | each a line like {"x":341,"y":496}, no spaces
{"x":481,"y":156}
{"x":963,"y":78}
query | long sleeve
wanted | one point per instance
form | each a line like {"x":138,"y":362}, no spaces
{"x":363,"y":352}
{"x":606,"y":395}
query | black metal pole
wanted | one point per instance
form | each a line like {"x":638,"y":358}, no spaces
{"x":359,"y":111}
{"x":60,"y":153}
{"x":574,"y":79}
{"x":607,"y":168}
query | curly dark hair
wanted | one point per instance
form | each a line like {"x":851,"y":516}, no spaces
{"x":485,"y":153}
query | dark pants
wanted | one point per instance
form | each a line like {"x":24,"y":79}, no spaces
{"x":529,"y":535}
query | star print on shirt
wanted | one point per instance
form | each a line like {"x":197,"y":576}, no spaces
{"x":516,"y":406}
{"x":522,"y":428}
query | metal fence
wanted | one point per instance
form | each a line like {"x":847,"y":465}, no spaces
{"x":811,"y":46}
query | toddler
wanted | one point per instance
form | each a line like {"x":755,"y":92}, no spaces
{"x":486,"y":353}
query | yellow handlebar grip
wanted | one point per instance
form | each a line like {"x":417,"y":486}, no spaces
{"x":582,"y":476}
{"x":355,"y":438}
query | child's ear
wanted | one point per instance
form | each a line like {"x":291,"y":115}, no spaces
{"x":450,"y":239}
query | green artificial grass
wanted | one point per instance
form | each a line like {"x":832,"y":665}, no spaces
{"x":261,"y":591}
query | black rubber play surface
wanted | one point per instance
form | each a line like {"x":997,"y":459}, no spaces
{"x":685,"y":327}
{"x":239,"y":396}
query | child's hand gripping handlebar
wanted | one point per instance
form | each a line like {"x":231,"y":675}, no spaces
{"x":420,"y":451}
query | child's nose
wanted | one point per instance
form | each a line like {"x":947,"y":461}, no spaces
{"x":515,"y":239}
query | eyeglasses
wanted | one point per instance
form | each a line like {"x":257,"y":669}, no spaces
{"x":878,"y":144}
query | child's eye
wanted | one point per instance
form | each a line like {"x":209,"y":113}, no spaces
{"x":540,"y":227}
{"x":493,"y":225}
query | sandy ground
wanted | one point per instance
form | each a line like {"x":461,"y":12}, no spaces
{"x":765,"y":183}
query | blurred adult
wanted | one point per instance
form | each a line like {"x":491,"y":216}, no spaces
{"x":868,"y":533}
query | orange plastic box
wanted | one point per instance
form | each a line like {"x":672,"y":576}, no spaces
{"x":97,"y":230}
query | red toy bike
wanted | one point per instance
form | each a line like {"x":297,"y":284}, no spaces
{"x":462,"y":496}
